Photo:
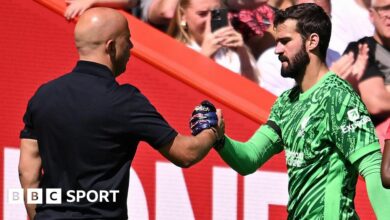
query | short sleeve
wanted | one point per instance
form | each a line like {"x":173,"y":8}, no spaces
{"x":352,"y":47}
{"x":146,"y":123}
{"x":351,"y":128}
{"x":28,"y":131}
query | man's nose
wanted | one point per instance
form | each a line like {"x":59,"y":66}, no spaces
{"x":279,"y":48}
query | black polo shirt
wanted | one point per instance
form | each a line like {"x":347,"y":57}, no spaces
{"x":88,"y":128}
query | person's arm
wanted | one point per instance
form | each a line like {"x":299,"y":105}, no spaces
{"x":233,"y":40}
{"x":246,"y":158}
{"x":375,"y":96}
{"x":212,"y":40}
{"x":161,"y":11}
{"x":385,"y":167}
{"x":369,"y":168}
{"x":359,"y":143}
{"x":371,"y":84}
{"x":185,"y":151}
{"x":77,"y":7}
{"x":350,"y":69}
{"x":248,"y":67}
{"x":29,"y":170}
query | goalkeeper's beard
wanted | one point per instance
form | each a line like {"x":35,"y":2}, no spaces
{"x":297,"y":66}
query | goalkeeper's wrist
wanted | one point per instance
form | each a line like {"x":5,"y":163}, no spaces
{"x":219,"y":141}
{"x":219,"y":144}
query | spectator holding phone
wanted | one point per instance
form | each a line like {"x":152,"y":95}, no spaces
{"x":192,"y":26}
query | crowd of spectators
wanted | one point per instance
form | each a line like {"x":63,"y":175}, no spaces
{"x":191,"y":26}
{"x":359,"y":49}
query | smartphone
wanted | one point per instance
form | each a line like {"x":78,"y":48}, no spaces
{"x":219,"y":18}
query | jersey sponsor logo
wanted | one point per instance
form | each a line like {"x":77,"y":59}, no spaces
{"x":353,"y":114}
{"x":304,"y":122}
{"x":356,"y":119}
{"x":295,"y":159}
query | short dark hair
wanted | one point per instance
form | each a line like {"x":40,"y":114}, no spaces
{"x":310,"y":18}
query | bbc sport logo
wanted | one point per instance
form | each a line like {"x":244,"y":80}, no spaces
{"x":54,"y":196}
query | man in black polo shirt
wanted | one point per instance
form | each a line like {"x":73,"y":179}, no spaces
{"x":82,"y":129}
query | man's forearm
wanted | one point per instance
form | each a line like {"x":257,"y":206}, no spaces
{"x":375,"y":96}
{"x":161,"y":12}
{"x":385,"y":167}
{"x":27,"y":184}
{"x":185,"y":151}
{"x":247,"y":69}
{"x":201,"y":146}
{"x":30,"y":208}
{"x":30,"y":167}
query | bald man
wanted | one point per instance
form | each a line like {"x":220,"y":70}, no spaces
{"x":82,"y":129}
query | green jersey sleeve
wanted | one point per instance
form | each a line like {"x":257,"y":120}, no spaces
{"x":247,"y":157}
{"x":276,"y":111}
{"x":369,"y":167}
{"x":350,"y":125}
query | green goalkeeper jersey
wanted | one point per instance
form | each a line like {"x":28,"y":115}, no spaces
{"x":324,"y":131}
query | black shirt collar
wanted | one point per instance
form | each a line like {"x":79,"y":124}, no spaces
{"x":93,"y":68}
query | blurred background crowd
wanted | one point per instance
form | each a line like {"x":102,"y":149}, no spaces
{"x":359,"y":49}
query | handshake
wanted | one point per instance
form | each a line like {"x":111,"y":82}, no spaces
{"x":204,"y":117}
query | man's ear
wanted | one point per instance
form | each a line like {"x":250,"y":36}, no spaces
{"x":312,"y":42}
{"x":371,"y":14}
{"x":110,"y":48}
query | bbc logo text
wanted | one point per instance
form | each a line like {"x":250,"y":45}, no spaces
{"x":54,"y":196}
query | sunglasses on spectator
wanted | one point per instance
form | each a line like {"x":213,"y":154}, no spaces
{"x":382,"y":10}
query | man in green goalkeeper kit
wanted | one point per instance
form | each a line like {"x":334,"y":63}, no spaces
{"x":321,"y":123}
